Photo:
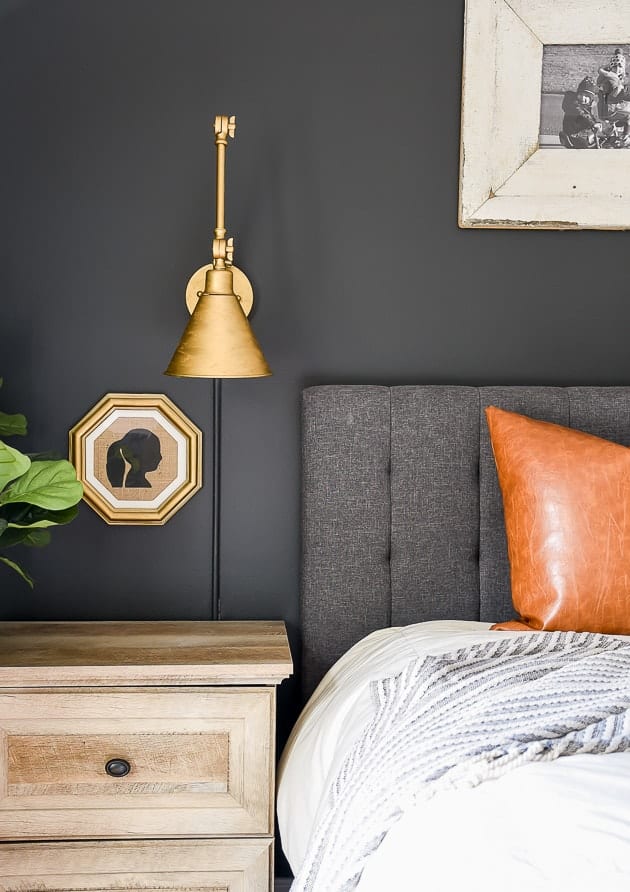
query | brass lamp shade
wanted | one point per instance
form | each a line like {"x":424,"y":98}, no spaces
{"x":218,"y":341}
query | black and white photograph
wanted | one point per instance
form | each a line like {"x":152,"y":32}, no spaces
{"x":585,"y":100}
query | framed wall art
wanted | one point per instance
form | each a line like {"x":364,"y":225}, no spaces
{"x":545,"y":138}
{"x":138,"y":458}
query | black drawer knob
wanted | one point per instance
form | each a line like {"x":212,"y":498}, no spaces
{"x":117,"y":767}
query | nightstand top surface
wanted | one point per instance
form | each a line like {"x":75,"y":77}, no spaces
{"x":36,"y":654}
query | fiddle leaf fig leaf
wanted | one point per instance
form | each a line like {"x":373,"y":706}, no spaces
{"x":18,"y":570}
{"x":13,"y":464}
{"x":37,"y":491}
{"x":37,"y":518}
{"x":48,"y":484}
{"x":12,"y":425}
{"x":35,"y":538}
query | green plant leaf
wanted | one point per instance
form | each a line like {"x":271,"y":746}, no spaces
{"x":37,"y":491}
{"x":12,"y":425}
{"x":18,"y":570}
{"x":13,"y":464}
{"x":22,"y":514}
{"x":48,"y":484}
{"x":34,"y":538}
{"x":36,"y":518}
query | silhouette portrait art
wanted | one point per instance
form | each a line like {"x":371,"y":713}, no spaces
{"x":131,"y":458}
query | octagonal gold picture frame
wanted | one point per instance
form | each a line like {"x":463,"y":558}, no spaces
{"x":138,"y":457}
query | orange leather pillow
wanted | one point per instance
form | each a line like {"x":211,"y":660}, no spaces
{"x":566,"y":500}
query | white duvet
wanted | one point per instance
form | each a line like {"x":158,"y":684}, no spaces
{"x":563,"y":825}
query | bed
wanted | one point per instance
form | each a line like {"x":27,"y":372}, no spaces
{"x":404,"y":555}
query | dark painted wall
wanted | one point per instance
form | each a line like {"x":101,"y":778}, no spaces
{"x":342,"y":196}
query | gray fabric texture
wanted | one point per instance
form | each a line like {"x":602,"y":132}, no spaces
{"x":402,"y":518}
{"x":345,"y":586}
{"x":434,"y":470}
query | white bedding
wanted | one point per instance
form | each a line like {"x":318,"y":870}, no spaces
{"x":544,"y":826}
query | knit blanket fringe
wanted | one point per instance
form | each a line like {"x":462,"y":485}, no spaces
{"x":458,"y":719}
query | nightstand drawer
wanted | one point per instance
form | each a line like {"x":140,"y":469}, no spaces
{"x":165,"y":866}
{"x":115,"y":763}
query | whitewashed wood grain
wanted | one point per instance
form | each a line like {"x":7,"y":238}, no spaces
{"x":505,"y":181}
{"x":572,"y":174}
{"x":202,"y":866}
{"x":478,"y":88}
{"x":516,"y":120}
{"x":171,"y":698}
{"x":150,"y":728}
{"x":136,"y":653}
{"x":575,"y":21}
{"x":525,"y":212}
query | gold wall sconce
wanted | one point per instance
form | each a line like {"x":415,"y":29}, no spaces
{"x":218,"y":341}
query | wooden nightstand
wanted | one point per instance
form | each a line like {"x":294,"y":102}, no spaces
{"x":152,"y":740}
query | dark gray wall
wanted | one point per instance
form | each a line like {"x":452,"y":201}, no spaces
{"x":342,"y":195}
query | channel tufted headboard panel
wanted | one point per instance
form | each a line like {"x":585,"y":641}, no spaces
{"x":402,"y":518}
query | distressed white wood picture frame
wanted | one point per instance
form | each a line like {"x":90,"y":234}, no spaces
{"x":506,"y":181}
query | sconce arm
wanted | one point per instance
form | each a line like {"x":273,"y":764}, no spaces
{"x":222,"y":249}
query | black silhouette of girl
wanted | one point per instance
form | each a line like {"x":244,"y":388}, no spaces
{"x":140,"y":449}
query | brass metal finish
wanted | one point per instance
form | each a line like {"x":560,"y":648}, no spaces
{"x":218,"y":341}
{"x":242,"y":288}
{"x":223,"y":127}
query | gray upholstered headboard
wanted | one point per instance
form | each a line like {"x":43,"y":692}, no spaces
{"x":402,"y":518}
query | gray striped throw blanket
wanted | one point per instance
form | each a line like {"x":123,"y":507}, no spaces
{"x":458,"y":719}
